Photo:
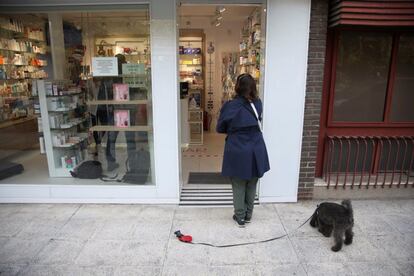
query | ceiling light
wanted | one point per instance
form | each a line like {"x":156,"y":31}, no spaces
{"x":219,"y":17}
{"x":218,"y":23}
{"x":221,"y":9}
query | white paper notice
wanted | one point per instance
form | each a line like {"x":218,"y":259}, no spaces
{"x":104,"y":66}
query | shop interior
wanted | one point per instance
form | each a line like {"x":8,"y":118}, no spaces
{"x":76,"y":87}
{"x":216,"y":44}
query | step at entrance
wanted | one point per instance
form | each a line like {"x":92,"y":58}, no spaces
{"x":207,"y":195}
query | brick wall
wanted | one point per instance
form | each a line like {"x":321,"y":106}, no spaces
{"x":314,"y":83}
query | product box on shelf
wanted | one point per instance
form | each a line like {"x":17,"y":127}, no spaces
{"x":122,"y":118}
{"x":121,"y":91}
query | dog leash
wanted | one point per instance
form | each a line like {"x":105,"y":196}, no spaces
{"x":189,"y":239}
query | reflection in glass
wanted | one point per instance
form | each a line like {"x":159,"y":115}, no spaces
{"x":361,"y":76}
{"x":402,"y":105}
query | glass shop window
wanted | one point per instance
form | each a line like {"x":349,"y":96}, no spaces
{"x":87,"y":86}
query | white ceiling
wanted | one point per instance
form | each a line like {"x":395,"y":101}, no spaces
{"x":232,"y":12}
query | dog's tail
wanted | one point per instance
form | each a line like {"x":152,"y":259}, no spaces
{"x":347,"y":204}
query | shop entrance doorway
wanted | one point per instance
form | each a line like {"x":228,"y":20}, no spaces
{"x":216,"y":44}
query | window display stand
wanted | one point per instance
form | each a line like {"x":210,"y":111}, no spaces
{"x":65,"y":145}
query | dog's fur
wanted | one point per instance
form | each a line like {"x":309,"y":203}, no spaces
{"x":335,"y":217}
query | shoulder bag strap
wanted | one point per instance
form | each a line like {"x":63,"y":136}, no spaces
{"x":257,"y":116}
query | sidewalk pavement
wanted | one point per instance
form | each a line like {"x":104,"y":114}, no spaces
{"x":85,"y":239}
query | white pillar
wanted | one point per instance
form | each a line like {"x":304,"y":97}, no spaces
{"x":57,"y":45}
{"x":287,"y":34}
{"x":165,"y":98}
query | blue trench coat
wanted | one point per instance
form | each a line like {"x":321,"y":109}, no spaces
{"x":245,"y":154}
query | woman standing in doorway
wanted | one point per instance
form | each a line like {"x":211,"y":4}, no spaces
{"x":245,"y":157}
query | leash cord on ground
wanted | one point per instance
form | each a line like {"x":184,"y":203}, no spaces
{"x":247,"y":243}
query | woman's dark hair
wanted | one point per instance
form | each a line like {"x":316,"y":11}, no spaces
{"x":246,"y":87}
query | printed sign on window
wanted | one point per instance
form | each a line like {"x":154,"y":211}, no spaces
{"x":104,"y":66}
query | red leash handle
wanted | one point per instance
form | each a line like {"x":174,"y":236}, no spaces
{"x":183,"y":238}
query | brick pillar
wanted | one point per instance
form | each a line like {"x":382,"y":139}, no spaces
{"x":314,"y":83}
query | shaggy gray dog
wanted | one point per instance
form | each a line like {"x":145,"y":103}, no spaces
{"x":338,"y":218}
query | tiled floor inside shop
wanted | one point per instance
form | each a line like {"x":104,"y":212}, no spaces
{"x":203,"y":158}
{"x":196,"y":158}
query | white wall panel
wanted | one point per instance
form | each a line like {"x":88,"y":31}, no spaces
{"x":287,"y":34}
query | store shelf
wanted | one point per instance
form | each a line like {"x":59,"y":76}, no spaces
{"x":133,"y":75}
{"x":112,"y":102}
{"x":70,"y":145}
{"x":114,"y":128}
{"x":63,"y":109}
{"x":64,"y":95}
{"x":19,"y":51}
{"x":69,"y":125}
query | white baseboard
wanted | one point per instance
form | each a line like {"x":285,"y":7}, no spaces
{"x":277,"y":199}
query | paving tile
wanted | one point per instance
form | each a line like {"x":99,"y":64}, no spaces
{"x":59,"y":252}
{"x":405,"y":269}
{"x":18,"y":251}
{"x":292,"y":226}
{"x":404,"y":223}
{"x":146,"y":254}
{"x":190,"y":214}
{"x":317,"y":249}
{"x":108,"y":211}
{"x":98,"y":253}
{"x":10,"y":270}
{"x":115,"y":229}
{"x":274,"y":269}
{"x":65,"y":270}
{"x":10,"y":226}
{"x":304,"y":208}
{"x":50,"y":211}
{"x":156,"y":212}
{"x":79,"y":228}
{"x":152,"y":231}
{"x":275,"y":252}
{"x":372,"y":224}
{"x":242,"y":255}
{"x":137,"y":270}
{"x":179,"y":253}
{"x":40,"y":227}
{"x":362,"y":250}
{"x":326,"y":269}
{"x":393,"y":246}
{"x":372,"y":269}
{"x":7,"y":209}
{"x":200,"y":270}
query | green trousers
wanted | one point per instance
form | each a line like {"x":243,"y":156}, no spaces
{"x":244,"y":193}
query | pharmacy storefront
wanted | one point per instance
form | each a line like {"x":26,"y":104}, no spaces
{"x":102,"y":102}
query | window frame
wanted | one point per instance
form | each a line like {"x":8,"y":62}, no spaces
{"x":386,"y":122}
{"x":327,"y":127}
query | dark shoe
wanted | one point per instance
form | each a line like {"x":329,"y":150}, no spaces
{"x":239,"y":222}
{"x":112,"y":166}
{"x":247,"y":219}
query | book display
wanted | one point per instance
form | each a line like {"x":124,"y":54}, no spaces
{"x":192,"y":78}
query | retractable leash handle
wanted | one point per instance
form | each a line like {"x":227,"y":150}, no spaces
{"x":189,"y":239}
{"x":183,"y":238}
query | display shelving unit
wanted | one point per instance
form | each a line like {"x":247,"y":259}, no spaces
{"x":251,"y":46}
{"x":63,"y":156}
{"x":21,"y":62}
{"x":192,"y":70}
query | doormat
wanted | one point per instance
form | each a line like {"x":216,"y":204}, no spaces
{"x":207,"y":178}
